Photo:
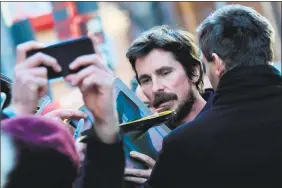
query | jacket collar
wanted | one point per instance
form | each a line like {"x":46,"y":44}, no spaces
{"x":208,"y":96}
{"x":248,"y":83}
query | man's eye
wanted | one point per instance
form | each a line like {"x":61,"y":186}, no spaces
{"x":164,"y":73}
{"x":145,"y":81}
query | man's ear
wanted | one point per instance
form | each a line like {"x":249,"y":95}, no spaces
{"x":197,"y":75}
{"x":219,"y":65}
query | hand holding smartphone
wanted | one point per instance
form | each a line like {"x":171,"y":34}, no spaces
{"x":65,"y":53}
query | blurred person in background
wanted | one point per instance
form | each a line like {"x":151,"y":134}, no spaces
{"x":170,"y":74}
{"x":31,"y":83}
{"x":237,"y":142}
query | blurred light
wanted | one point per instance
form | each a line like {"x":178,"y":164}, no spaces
{"x":13,"y":11}
{"x":72,"y":100}
{"x":114,"y":20}
{"x":7,"y":17}
{"x":220,"y":4}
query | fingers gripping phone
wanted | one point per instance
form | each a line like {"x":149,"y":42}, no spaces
{"x":65,"y":53}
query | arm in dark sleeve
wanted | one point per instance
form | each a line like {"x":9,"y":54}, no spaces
{"x":104,"y":164}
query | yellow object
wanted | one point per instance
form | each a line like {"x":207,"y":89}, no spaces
{"x":150,"y":117}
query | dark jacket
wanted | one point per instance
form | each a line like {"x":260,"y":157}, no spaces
{"x":236,"y":143}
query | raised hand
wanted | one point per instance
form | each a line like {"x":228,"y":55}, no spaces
{"x":30,"y":80}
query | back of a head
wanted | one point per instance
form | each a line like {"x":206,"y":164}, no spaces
{"x":179,"y":42}
{"x":46,"y":154}
{"x":239,"y":35}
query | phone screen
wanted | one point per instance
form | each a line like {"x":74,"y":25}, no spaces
{"x":65,"y":53}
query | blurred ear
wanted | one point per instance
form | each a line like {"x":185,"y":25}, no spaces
{"x":219,"y":65}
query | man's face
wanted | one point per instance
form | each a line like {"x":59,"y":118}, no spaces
{"x":163,"y":80}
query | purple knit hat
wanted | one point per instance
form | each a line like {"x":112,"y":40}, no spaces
{"x":42,"y":132}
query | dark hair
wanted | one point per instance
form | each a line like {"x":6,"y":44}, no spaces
{"x":238,"y":35}
{"x":41,"y":167}
{"x":179,"y":42}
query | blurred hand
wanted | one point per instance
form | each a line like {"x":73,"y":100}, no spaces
{"x":96,"y":83}
{"x":63,"y":114}
{"x":81,"y":149}
{"x":30,"y":80}
{"x":139,"y":176}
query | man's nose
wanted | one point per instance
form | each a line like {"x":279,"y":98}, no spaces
{"x":157,"y":86}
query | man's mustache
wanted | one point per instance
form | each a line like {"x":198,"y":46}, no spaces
{"x":163,"y":97}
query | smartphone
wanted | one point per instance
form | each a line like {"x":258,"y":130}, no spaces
{"x":65,"y":53}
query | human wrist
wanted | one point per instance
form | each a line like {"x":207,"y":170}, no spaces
{"x":107,"y":131}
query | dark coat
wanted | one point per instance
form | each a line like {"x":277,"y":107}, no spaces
{"x":236,"y":143}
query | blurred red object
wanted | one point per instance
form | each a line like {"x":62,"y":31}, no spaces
{"x":43,"y":22}
{"x":50,"y":107}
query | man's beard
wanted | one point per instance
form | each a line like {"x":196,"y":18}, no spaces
{"x":182,"y":110}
